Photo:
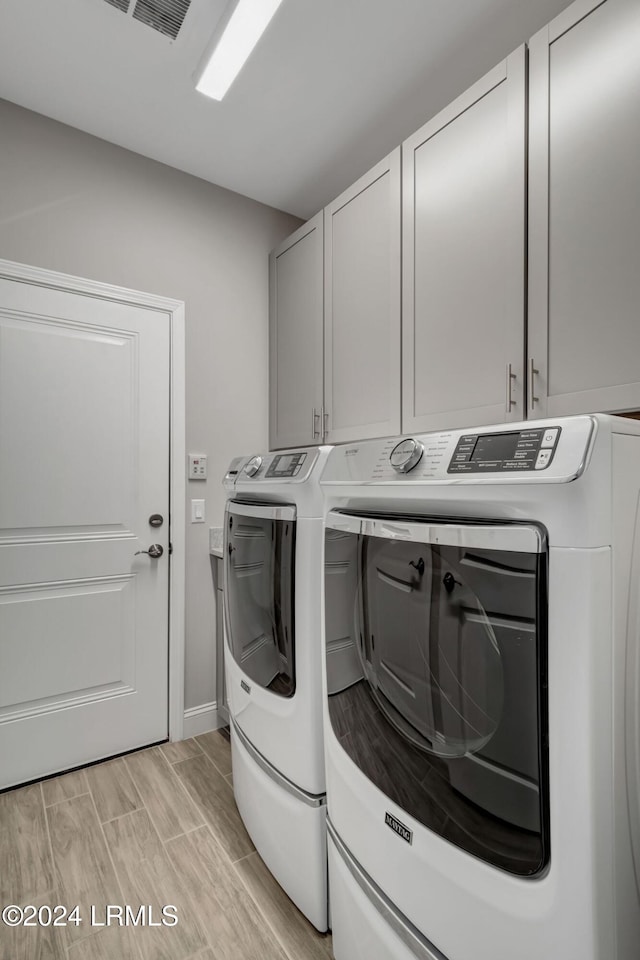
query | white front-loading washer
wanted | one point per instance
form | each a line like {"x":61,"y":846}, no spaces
{"x":482,"y":693}
{"x":273,"y":581}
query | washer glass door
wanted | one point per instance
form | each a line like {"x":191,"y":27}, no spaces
{"x":259,"y":552}
{"x":436,"y":675}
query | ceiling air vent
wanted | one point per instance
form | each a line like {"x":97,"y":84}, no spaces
{"x":167,"y":16}
{"x":120,"y":4}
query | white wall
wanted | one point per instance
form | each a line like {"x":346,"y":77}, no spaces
{"x":73,"y":203}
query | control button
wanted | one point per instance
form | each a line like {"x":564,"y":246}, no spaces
{"x":517,"y":465}
{"x":543,"y":459}
{"x":549,"y":437}
{"x":253,"y":466}
{"x":405,"y":455}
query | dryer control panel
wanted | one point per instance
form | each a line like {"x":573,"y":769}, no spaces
{"x":545,"y":451}
{"x":508,"y":450}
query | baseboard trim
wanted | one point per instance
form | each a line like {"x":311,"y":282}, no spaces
{"x":201,"y":719}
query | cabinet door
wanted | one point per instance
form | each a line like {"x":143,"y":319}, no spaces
{"x":362,"y":307}
{"x":295,"y":338}
{"x":464,"y":258}
{"x":584,"y":215}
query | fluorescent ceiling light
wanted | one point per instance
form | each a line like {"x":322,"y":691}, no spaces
{"x":247,"y":24}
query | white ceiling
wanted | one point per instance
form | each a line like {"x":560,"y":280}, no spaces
{"x":332,"y":86}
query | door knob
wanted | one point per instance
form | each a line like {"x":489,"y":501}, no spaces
{"x":155,"y":551}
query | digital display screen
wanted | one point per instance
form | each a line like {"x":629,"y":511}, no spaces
{"x":497,"y":446}
{"x":514,"y":451}
{"x":284,"y":464}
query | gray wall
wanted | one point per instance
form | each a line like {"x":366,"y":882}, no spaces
{"x":73,"y":203}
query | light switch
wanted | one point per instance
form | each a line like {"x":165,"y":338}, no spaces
{"x":197,"y":466}
{"x":197,"y":511}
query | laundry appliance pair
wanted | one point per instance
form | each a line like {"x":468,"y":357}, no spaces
{"x":480,"y":692}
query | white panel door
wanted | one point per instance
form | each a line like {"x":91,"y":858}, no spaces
{"x":84,"y":461}
{"x":584,"y":210}
{"x":295,"y":338}
{"x":463,"y":262}
{"x":362,"y":307}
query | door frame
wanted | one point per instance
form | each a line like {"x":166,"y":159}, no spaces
{"x":24,"y":273}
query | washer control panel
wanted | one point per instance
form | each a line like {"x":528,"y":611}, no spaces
{"x":285,"y":465}
{"x":252,"y":466}
{"x":291,"y":466}
{"x":231,"y":475}
{"x":508,"y":451}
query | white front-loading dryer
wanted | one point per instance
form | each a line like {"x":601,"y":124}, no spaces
{"x":481,"y":693}
{"x":273,"y":575}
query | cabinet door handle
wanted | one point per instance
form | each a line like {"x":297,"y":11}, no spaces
{"x":315,"y":427}
{"x":533,"y":372}
{"x":325,"y":424}
{"x":510,"y":378}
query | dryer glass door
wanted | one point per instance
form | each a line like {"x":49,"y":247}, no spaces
{"x":436,"y":674}
{"x":259,"y":553}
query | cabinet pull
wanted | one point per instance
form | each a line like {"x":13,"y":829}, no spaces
{"x":510,"y":377}
{"x":533,"y":372}
{"x":315,"y":420}
{"x":325,"y":424}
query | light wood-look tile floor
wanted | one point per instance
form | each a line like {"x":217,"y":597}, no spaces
{"x":154,"y":828}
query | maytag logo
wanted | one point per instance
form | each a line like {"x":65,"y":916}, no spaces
{"x":245,"y":686}
{"x":398,"y":828}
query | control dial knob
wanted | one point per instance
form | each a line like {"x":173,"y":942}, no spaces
{"x":405,"y":455}
{"x":253,"y":466}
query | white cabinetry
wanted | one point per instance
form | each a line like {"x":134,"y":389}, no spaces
{"x":467,"y":356}
{"x":584,"y":214}
{"x":335,"y":318}
{"x":464,"y":258}
{"x":362,"y":307}
{"x":295,"y":338}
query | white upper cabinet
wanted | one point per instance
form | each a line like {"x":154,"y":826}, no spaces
{"x":584,"y":214}
{"x":295,"y":338}
{"x":464,"y":258}
{"x":362,"y":307}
